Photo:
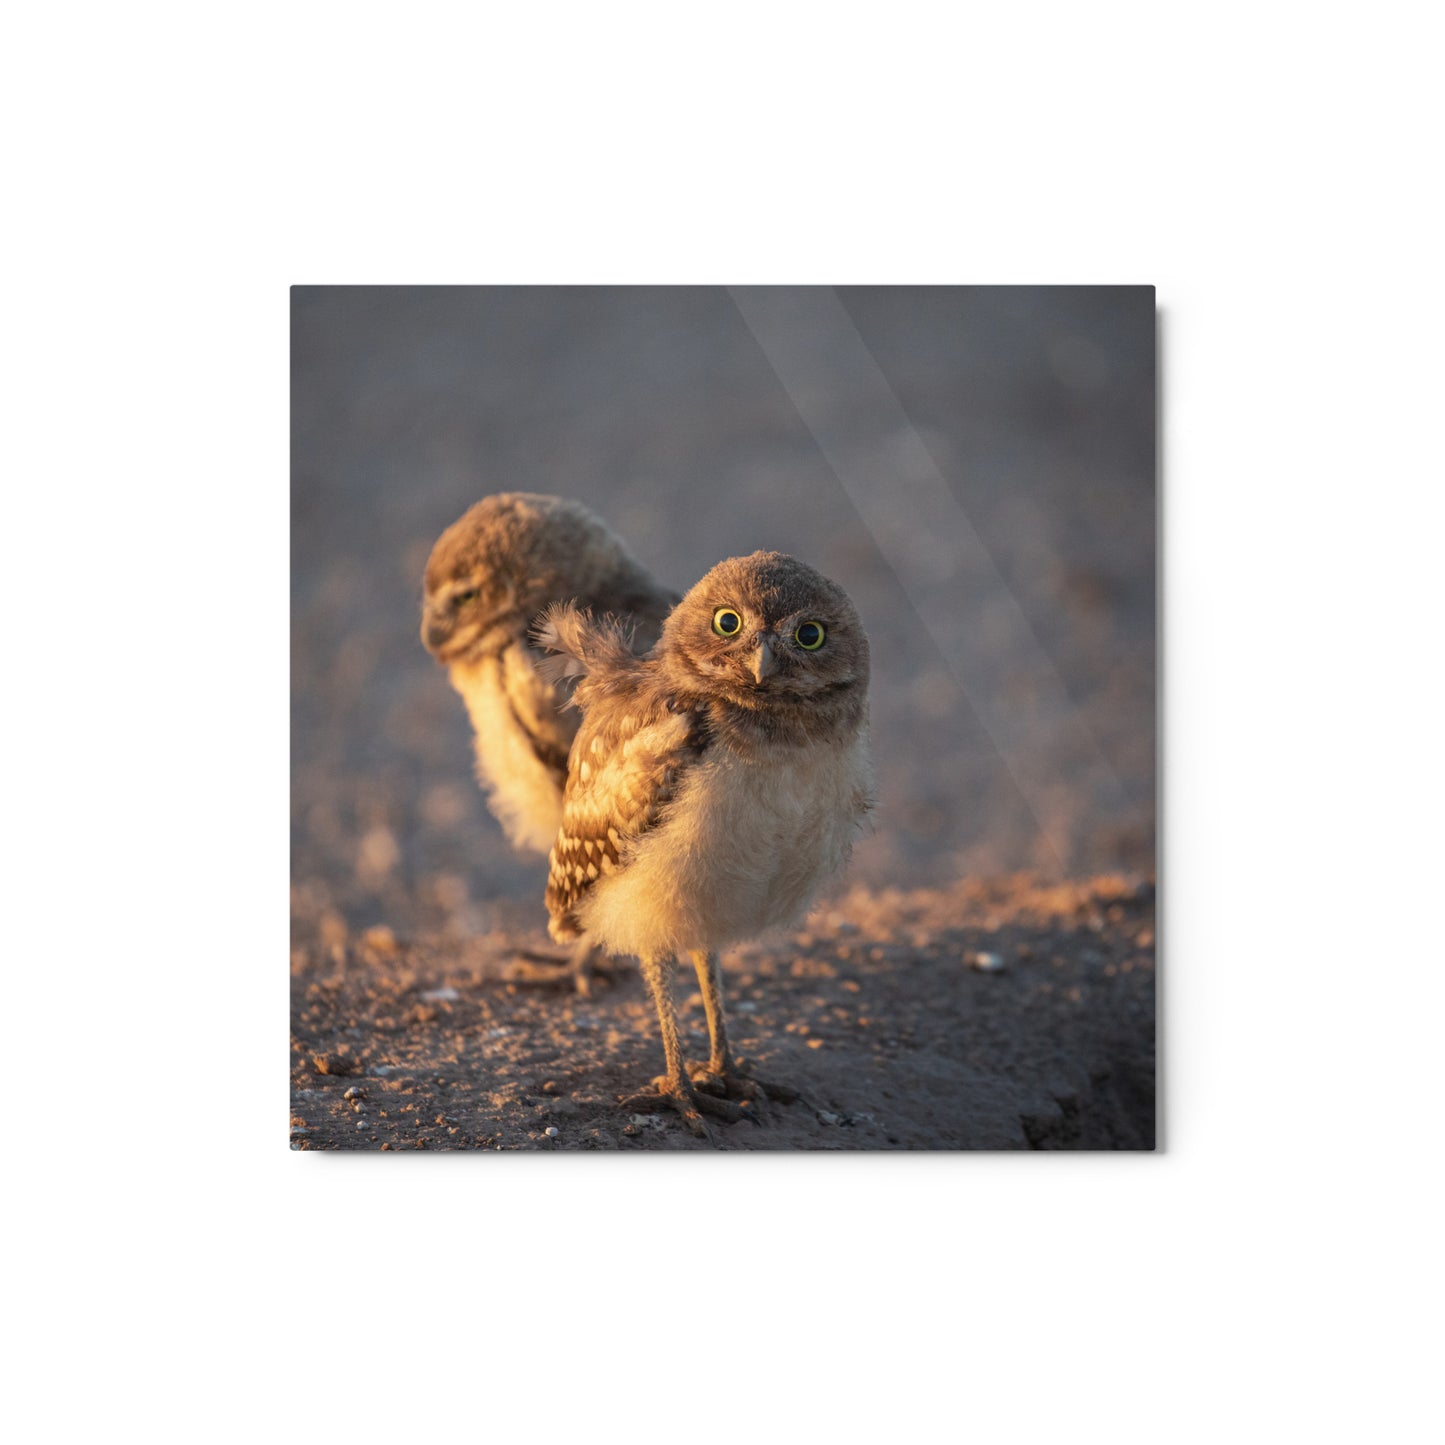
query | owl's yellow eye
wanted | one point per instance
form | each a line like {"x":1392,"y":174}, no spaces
{"x":726,"y":622}
{"x":809,"y":636}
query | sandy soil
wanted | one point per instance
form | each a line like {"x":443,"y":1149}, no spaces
{"x":1001,"y":1014}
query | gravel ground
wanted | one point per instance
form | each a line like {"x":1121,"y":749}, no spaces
{"x":658,"y":408}
{"x":1006,"y":1014}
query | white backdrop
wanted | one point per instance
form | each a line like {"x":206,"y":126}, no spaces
{"x":176,"y":1272}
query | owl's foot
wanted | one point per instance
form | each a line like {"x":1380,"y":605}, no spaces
{"x":580,"y":969}
{"x":739,"y":1082}
{"x":680,"y":1095}
{"x":726,"y":1084}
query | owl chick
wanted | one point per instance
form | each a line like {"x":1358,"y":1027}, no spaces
{"x":714,"y":785}
{"x":489,"y":575}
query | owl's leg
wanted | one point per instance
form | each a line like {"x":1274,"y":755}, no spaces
{"x":724,"y":1074}
{"x":713,"y":1076}
{"x":674,"y":1088}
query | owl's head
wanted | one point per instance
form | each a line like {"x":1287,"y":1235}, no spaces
{"x":495,"y":568}
{"x":767,"y":631}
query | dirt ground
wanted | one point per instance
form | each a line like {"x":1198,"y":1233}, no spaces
{"x":1000,"y":1014}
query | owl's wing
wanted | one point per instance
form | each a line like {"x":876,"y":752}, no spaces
{"x":538,"y":707}
{"x":640,"y":608}
{"x":539,"y":703}
{"x":625,"y":767}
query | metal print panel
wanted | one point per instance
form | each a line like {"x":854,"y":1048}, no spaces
{"x":723,"y":718}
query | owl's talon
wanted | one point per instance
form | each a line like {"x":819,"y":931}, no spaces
{"x":723,"y":1109}
{"x":769,"y":1088}
{"x":690,"y":1103}
{"x":660,"y":1097}
{"x":708,"y":1081}
{"x":737,"y":1083}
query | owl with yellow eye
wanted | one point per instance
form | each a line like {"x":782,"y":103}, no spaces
{"x":809,"y":635}
{"x":714,"y":785}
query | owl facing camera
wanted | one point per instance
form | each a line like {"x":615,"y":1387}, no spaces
{"x":712,"y":769}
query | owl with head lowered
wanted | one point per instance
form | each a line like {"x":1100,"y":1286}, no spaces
{"x":489,"y":575}
{"x":713,"y":787}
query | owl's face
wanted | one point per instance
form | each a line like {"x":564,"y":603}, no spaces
{"x":768,"y":630}
{"x":497,"y":566}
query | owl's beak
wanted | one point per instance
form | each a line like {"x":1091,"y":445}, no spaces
{"x":435,"y":631}
{"x":763,"y":662}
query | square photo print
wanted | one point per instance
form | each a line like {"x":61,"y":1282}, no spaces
{"x":723,"y":718}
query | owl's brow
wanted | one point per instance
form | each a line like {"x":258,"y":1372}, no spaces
{"x":451,"y":582}
{"x":793,"y":614}
{"x":472,"y":582}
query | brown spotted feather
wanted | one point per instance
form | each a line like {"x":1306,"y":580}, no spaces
{"x":624,"y":773}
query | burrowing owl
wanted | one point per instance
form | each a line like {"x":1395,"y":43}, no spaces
{"x":489,"y":575}
{"x":713,"y":787}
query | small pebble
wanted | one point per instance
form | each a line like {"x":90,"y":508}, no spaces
{"x":551,"y":1087}
{"x":984,"y":962}
{"x":550,"y":1131}
{"x":824,"y":1117}
{"x":440,"y":995}
{"x":353,"y":1093}
{"x":815,"y":1043}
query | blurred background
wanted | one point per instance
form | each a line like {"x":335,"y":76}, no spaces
{"x":1011,"y":609}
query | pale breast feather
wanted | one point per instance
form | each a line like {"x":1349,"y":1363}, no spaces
{"x":625,"y":768}
{"x":537,"y":710}
{"x":521,"y":770}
